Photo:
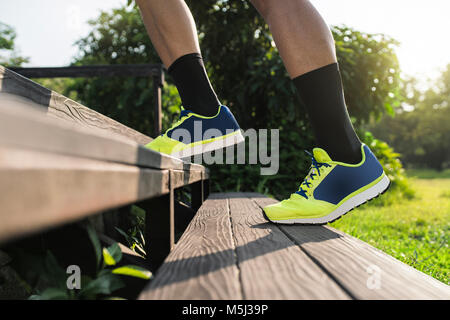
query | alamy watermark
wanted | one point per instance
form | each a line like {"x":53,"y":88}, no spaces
{"x":257,"y":147}
{"x":374,"y":280}
{"x":74,"y":279}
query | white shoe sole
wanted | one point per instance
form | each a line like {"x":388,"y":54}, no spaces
{"x":226,"y":141}
{"x":373,"y":192}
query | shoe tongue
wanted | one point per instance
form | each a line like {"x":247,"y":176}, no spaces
{"x":321,"y":155}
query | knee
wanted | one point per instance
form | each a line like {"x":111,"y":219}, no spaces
{"x":263,"y":6}
{"x":140,"y":3}
{"x":143,"y":3}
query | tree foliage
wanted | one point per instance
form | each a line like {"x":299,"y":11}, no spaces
{"x":231,"y":29}
{"x":7,"y":45}
{"x":249,"y":77}
{"x":422,"y":135}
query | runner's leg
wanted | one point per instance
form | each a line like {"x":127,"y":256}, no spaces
{"x":172,"y":30}
{"x":307,"y":49}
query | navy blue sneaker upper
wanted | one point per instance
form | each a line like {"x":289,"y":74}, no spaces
{"x":224,"y":122}
{"x":342,"y":180}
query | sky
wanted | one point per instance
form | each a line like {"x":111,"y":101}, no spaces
{"x":47,"y":29}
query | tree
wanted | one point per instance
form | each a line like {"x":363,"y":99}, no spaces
{"x":422,"y":135}
{"x":7,"y":38}
{"x":231,"y":29}
{"x":248,"y":75}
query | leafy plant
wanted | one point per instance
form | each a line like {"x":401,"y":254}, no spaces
{"x":134,"y":235}
{"x":421,"y":132}
{"x":400,"y":187}
{"x":135,"y":244}
{"x":255,"y":86}
{"x":106,"y":281}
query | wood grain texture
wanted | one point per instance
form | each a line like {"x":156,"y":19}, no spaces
{"x":181,"y":178}
{"x":203,"y":262}
{"x":11,"y":82}
{"x":61,"y":107}
{"x":66,"y":109}
{"x":354,"y":263}
{"x":271,"y":265}
{"x":40,"y":190}
{"x":19,"y":93}
{"x":29,"y":129}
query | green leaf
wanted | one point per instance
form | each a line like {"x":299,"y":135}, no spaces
{"x":115,"y":251}
{"x":108,"y":257}
{"x":105,"y":284}
{"x":124,"y":234}
{"x":114,"y":298}
{"x":51,"y":294}
{"x":137,"y":211}
{"x":133,"y":271}
{"x":56,"y":277}
{"x":95,"y":243}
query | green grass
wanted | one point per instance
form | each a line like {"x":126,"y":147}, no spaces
{"x":428,"y":174}
{"x":414,"y":231}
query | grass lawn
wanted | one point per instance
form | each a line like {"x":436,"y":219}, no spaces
{"x":414,"y":231}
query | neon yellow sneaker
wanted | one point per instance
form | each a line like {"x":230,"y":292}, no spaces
{"x":331,"y":189}
{"x":194,"y":134}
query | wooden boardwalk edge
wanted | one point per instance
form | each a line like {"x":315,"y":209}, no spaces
{"x":229,"y":251}
{"x":83,"y":186}
{"x":366,"y":272}
{"x":61,"y":107}
{"x":27,"y":98}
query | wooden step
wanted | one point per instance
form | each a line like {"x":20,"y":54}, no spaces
{"x":55,"y":171}
{"x":229,"y":251}
{"x":14,"y":86}
{"x":39,"y":190}
{"x":30,"y":112}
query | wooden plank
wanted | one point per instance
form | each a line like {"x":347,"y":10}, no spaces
{"x":365,"y":271}
{"x":271,"y":265}
{"x":181,"y":178}
{"x":29,"y":129}
{"x":203,"y":263}
{"x":134,"y":70}
{"x":66,"y":109}
{"x":40,"y":190}
{"x":19,"y":93}
{"x":13,"y":86}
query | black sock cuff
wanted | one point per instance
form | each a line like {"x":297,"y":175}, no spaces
{"x":317,"y":72}
{"x":186,"y":57}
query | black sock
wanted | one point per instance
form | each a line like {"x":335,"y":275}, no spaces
{"x":191,"y":79}
{"x":321,"y":92}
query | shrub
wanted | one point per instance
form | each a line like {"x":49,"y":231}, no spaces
{"x":390,"y":160}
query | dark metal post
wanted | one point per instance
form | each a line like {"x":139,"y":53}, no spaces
{"x":158,"y":81}
{"x":197,"y":195}
{"x":206,"y":188}
{"x":159,"y":228}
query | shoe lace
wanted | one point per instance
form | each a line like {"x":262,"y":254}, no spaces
{"x":313,"y":172}
{"x":183,"y":115}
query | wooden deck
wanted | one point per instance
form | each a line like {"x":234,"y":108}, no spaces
{"x":61,"y":161}
{"x":229,"y":251}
